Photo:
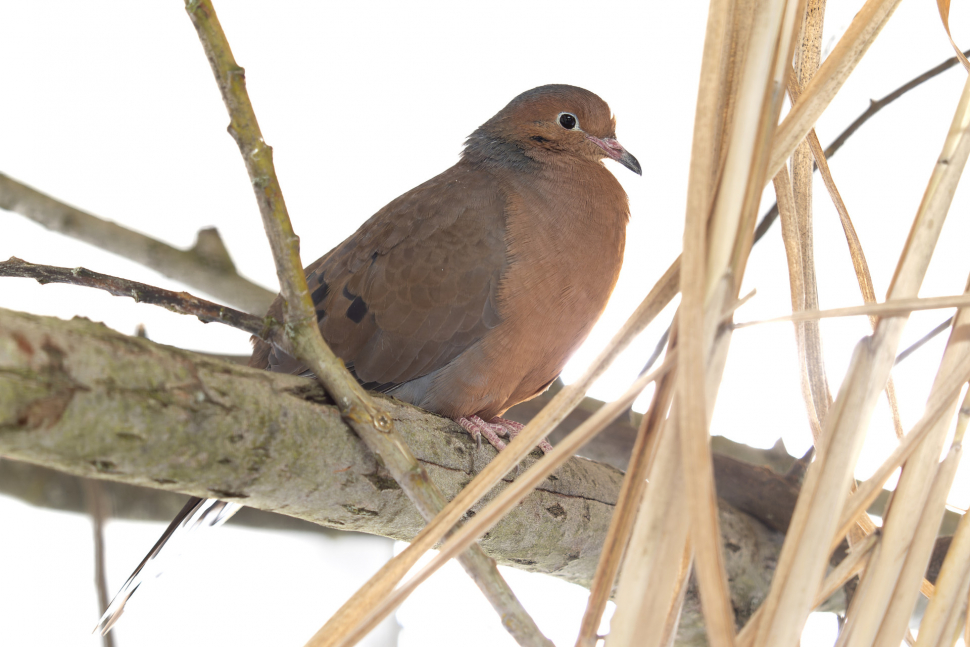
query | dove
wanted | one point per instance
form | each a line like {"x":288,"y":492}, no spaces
{"x":469,"y":293}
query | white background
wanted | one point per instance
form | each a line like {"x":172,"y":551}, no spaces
{"x":111,"y":107}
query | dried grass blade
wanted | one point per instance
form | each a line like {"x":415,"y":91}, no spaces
{"x":952,"y":587}
{"x":803,"y":556}
{"x":651,"y":576}
{"x":853,"y":564}
{"x":658,"y":542}
{"x":797,"y":220}
{"x":707,"y":260}
{"x":944,"y":7}
{"x":836,"y":68}
{"x":889,"y":308}
{"x":893,"y":583}
{"x":793,"y":253}
{"x":966,"y":629}
{"x":859,"y":263}
{"x":503,"y":502}
{"x":624,"y":514}
{"x":867,"y":492}
{"x":895,"y":621}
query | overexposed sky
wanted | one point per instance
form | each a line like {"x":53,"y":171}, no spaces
{"x":111,"y":107}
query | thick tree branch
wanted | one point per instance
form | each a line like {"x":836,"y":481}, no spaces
{"x":206,"y":267}
{"x":83,"y":399}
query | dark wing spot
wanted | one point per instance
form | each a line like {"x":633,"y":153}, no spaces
{"x":348,"y":295}
{"x":373,"y":257}
{"x":357,"y":310}
{"x":321,"y":292}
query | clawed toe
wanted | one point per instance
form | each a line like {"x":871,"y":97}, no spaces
{"x":476,"y":428}
{"x":494,"y":430}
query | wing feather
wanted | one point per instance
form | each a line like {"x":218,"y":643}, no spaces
{"x":415,"y":286}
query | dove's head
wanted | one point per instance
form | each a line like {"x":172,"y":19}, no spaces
{"x":551,"y":124}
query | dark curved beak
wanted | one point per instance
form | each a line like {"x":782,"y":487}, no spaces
{"x":615,"y":151}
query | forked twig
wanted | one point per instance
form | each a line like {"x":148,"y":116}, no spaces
{"x":302,"y":338}
{"x":874,"y":106}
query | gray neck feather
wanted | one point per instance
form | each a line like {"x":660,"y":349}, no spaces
{"x":486,"y":149}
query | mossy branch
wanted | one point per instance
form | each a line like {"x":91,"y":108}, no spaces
{"x":80,"y":398}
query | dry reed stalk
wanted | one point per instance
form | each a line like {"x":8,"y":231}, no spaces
{"x":809,"y":340}
{"x":651,"y":576}
{"x":952,"y":587}
{"x":966,"y":631}
{"x":858,"y":257}
{"x":827,"y":482}
{"x":853,"y":564}
{"x":797,"y":233}
{"x":889,"y":587}
{"x":895,"y":622}
{"x":888,"y":308}
{"x":627,"y":504}
{"x":867,"y":492}
{"x":383,"y":582}
{"x":652,"y":573}
{"x":492,"y":513}
{"x":834,"y":71}
{"x":716,"y":246}
{"x":944,"y":7}
{"x":748,"y":112}
{"x":793,"y":254}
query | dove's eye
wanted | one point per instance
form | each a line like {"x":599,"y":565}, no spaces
{"x":567,"y":120}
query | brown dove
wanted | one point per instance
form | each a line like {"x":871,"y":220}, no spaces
{"x":467,"y":294}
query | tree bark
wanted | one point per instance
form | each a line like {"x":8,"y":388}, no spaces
{"x":84,"y":400}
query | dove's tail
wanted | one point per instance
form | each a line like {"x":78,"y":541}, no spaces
{"x":197,"y":512}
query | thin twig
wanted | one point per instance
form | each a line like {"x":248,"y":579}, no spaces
{"x":180,"y":302}
{"x":302,"y":335}
{"x":923,"y":340}
{"x":97,"y":508}
{"x":874,"y":106}
{"x":206,"y":266}
{"x":879,"y":104}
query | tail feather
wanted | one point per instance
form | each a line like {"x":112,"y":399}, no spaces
{"x":197,"y":512}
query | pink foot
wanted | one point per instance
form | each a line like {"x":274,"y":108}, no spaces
{"x":496,"y":427}
{"x":514,"y":428}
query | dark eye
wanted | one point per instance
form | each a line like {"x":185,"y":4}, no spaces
{"x":567,"y":120}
